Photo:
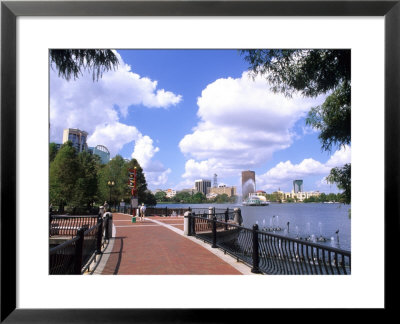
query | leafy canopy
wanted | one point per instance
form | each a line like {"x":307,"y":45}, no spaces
{"x":71,"y":62}
{"x":79,"y":179}
{"x":312,"y":73}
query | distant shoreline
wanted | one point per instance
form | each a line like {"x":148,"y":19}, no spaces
{"x":227,"y":203}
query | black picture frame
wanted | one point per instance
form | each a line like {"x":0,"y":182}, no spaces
{"x":10,"y":10}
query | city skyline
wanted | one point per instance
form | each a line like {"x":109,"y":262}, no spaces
{"x":233,"y":186}
{"x":190,"y":114}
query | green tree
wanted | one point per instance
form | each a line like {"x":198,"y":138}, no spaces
{"x":333,"y":118}
{"x":85,"y":190}
{"x":71,"y":62}
{"x":223,"y":198}
{"x":149,"y":199}
{"x":233,"y":199}
{"x":141,"y":184}
{"x":117,"y":170}
{"x":342,"y":176}
{"x":274,"y":197}
{"x":198,"y":198}
{"x":64,"y":171}
{"x":322,"y":197}
{"x":161,"y":196}
{"x":182,"y":197}
{"x":312,"y":73}
{"x":52,"y":151}
{"x":310,"y":199}
{"x":332,"y":197}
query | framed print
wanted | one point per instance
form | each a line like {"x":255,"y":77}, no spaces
{"x":30,"y":28}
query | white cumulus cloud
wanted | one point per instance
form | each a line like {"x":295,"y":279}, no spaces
{"x":96,"y":107}
{"x":86,"y":104}
{"x":285,"y":172}
{"x":340,"y":157}
{"x":155,"y":172}
{"x":241,"y":124}
{"x":144,"y":150}
{"x":114,"y":136}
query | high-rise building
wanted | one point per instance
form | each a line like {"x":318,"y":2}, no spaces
{"x":215,"y":182}
{"x":202,"y":185}
{"x":77,"y":137}
{"x":102,"y":152}
{"x":298,"y":186}
{"x":248,"y":183}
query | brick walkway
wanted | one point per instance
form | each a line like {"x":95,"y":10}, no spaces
{"x":149,"y":248}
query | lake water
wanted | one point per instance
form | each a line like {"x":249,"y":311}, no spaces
{"x":305,"y":220}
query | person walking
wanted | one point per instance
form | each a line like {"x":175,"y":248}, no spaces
{"x":142,"y":212}
{"x":106,"y":207}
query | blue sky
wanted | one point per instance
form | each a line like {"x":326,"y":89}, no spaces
{"x":187,"y":114}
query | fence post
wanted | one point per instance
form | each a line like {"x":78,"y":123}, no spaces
{"x":214,"y":232}
{"x":99,"y":235}
{"x":106,"y":227}
{"x":50,"y":217}
{"x":110,"y":226}
{"x":226,"y":218}
{"x":187,"y":224}
{"x":193,"y":230}
{"x":210,"y":213}
{"x":166,"y":211}
{"x":190,"y":232}
{"x":256,"y":258}
{"x":238,"y":216}
{"x":78,"y":251}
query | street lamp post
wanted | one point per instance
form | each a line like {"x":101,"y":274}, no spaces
{"x":110,"y":185}
{"x":132,"y":184}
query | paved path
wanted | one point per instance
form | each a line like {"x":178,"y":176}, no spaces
{"x":157,"y":246}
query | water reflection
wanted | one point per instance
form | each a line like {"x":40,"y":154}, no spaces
{"x":317,"y":223}
{"x":326,"y":224}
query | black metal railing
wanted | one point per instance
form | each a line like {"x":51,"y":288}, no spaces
{"x":66,"y":225}
{"x":127,"y":209}
{"x":203,"y":226}
{"x":218,"y":212}
{"x":283,"y":255}
{"x":64,"y":257}
{"x":165,"y":211}
{"x":76,"y":255}
{"x":92,"y":242}
{"x":267,"y":252}
{"x":223,"y":215}
{"x":170,"y":211}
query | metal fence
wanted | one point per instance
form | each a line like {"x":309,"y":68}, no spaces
{"x":63,"y":258}
{"x":221,"y":214}
{"x":165,"y":211}
{"x":123,"y":209}
{"x":92,"y":241}
{"x":66,"y":225}
{"x":171,"y":211}
{"x":270,"y":253}
{"x":75,"y":255}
